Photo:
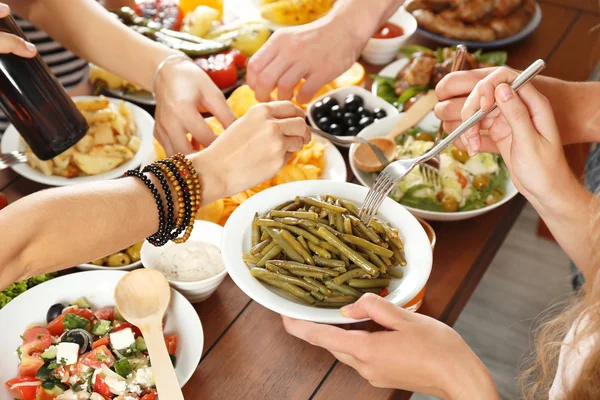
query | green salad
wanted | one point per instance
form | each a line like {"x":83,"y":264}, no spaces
{"x":466,"y":183}
{"x":17,"y":288}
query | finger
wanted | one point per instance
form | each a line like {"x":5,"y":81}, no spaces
{"x":199,"y":129}
{"x":217,"y":105}
{"x":347,"y":359}
{"x":268,"y":78}
{"x":178,"y":137}
{"x":328,"y":337}
{"x":293,"y":144}
{"x":4,"y":10}
{"x":16,"y":45}
{"x":378,"y":309}
{"x":449,"y":110}
{"x":487,"y":145}
{"x":310,"y":87}
{"x":461,"y":83}
{"x":284,"y":110}
{"x":289,"y":80}
{"x":296,"y":127}
{"x":259,"y":61}
{"x":163,"y":139}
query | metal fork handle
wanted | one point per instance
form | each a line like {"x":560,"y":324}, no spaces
{"x":337,"y":140}
{"x":524,"y":77}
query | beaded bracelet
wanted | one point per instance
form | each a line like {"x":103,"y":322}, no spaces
{"x":164,"y":236}
{"x":183,"y":199}
{"x":192,"y":182}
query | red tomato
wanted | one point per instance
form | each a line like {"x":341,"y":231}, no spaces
{"x":36,"y":340}
{"x":171,"y":342}
{"x":95,"y":358}
{"x":461,"y":179}
{"x":105,"y":313}
{"x":56,"y":326}
{"x":43,"y":394}
{"x":129,"y":396}
{"x":22,"y":392}
{"x":153,"y":395}
{"x":3,"y":201}
{"x":101,"y":388}
{"x":30,"y":362}
{"x":165,"y":12}
{"x":384,"y":292}
{"x":119,"y":326}
{"x":101,"y":342}
{"x":239,"y":59}
{"x":220,"y":68}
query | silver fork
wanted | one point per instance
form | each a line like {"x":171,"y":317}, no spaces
{"x":12,"y":158}
{"x":350,"y":140}
{"x":397,"y":170}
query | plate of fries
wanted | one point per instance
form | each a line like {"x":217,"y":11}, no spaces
{"x":119,"y":138}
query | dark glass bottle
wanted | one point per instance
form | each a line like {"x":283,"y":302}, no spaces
{"x":36,"y":104}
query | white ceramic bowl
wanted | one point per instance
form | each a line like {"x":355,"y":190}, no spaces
{"x":11,"y":141}
{"x":98,"y":288}
{"x":430,"y":123}
{"x":383,"y":51}
{"x":237,"y":240}
{"x":203,"y":232}
{"x":371,"y":101}
{"x":92,"y":267}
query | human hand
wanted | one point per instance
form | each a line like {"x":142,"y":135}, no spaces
{"x":317,"y":52}
{"x":255,"y":147}
{"x":182,"y":89}
{"x":418,"y":353}
{"x":14,"y":44}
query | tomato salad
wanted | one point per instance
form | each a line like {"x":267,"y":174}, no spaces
{"x":84,"y":354}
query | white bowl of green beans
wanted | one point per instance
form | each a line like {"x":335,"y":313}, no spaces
{"x":299,"y":250}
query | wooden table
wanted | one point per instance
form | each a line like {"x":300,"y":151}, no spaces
{"x":247,"y":353}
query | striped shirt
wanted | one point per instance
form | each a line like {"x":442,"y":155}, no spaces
{"x":66,"y":66}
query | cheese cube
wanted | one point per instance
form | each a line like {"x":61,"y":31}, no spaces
{"x":122,"y":339}
{"x":67,"y":353}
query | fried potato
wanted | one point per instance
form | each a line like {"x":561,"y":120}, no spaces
{"x":85,"y":144}
{"x":134,"y":144}
{"x":111,"y":151}
{"x":70,"y":171}
{"x":63,"y":160}
{"x":92,"y":105}
{"x":241,"y":100}
{"x":94,"y":165}
{"x":102,"y":133}
{"x":100,"y":116}
{"x":34,"y":162}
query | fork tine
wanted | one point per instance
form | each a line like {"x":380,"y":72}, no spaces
{"x":374,"y":196}
{"x":382,"y":194}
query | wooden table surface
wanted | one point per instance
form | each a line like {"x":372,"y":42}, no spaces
{"x":247,"y":353}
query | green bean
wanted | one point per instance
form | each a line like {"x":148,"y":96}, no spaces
{"x":340,"y":299}
{"x":324,"y":304}
{"x":324,"y":221}
{"x":276,"y":269}
{"x":337,"y":293}
{"x":290,"y":289}
{"x":294,"y":229}
{"x":345,"y":259}
{"x":288,"y":220}
{"x":377,"y":261}
{"x":283,"y":205}
{"x":259,"y":272}
{"x":323,"y":214}
{"x":250,"y":259}
{"x":399,"y":256}
{"x":377,"y":291}
{"x":328,"y":263}
{"x":322,"y":288}
{"x":310,"y":274}
{"x":385,"y":276}
{"x":255,"y":230}
{"x":369,"y":283}
{"x":331,"y":218}
{"x":289,"y":265}
{"x":339,"y":222}
{"x":373,"y":237}
{"x":268,"y":248}
{"x":395,"y":273}
{"x":304,"y":254}
{"x":321,"y":204}
{"x":263,"y":235}
{"x":295,"y":214}
{"x":347,"y":290}
{"x":318,"y":296}
{"x":355,"y":273}
{"x":293,"y":206}
{"x":386,"y":261}
{"x":340,"y":269}
{"x":303,"y":242}
{"x":269,"y":255}
{"x":347,"y":225}
{"x":365,"y":244}
{"x":349,"y":206}
{"x":308,"y":223}
{"x":260,"y":246}
{"x":348,"y":252}
{"x":377,"y":226}
{"x":321,"y":252}
{"x":285,"y":245}
{"x":392,"y":236}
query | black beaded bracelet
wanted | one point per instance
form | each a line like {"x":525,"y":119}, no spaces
{"x":167,"y":234}
{"x":186,"y":196}
{"x":157,"y":237}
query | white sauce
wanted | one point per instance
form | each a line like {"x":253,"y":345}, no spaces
{"x":190,"y":262}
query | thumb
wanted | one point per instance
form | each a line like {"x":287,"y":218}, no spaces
{"x":378,"y":309}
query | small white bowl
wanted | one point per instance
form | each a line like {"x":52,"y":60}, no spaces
{"x":383,"y":51}
{"x":92,"y":267}
{"x":371,"y":101}
{"x":195,"y":292}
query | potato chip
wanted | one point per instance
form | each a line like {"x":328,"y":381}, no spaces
{"x":241,"y":100}
{"x":160,"y":151}
{"x":215,"y":125}
{"x":212,"y":212}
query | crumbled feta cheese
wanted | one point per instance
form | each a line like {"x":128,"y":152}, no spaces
{"x":73,"y":379}
{"x":68,"y":395}
{"x":129,"y":398}
{"x":144,"y":377}
{"x":122,"y":339}
{"x":96,"y":396}
{"x":67,"y":353}
{"x":116,"y":386}
{"x":133,"y":388}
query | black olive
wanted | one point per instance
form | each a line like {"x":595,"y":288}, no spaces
{"x":324,"y":123}
{"x":366,"y":113}
{"x":329,"y":102}
{"x":79,"y":336}
{"x":352,"y":131}
{"x":54,"y":311}
{"x":336,"y":113}
{"x":379,"y":113}
{"x":353,"y":102}
{"x":319,"y":111}
{"x":336,"y":129}
{"x":350,"y":119}
{"x":364,"y":122}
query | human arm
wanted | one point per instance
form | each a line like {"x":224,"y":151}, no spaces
{"x":317,"y":52}
{"x":58,"y":228}
{"x":415,"y":353}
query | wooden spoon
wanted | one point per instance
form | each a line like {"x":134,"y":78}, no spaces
{"x":142,"y":297}
{"x":365,"y":159}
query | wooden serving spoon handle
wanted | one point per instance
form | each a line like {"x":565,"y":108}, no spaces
{"x":416,"y":113}
{"x":166,"y":381}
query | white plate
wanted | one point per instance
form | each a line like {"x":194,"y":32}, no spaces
{"x":92,"y":267}
{"x":430,"y":124}
{"x":11,"y":141}
{"x":335,"y":166}
{"x":237,"y":240}
{"x":97,"y":287}
{"x":250,"y":10}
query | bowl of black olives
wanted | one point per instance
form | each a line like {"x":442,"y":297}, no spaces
{"x":347,"y":111}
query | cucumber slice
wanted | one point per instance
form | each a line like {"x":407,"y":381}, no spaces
{"x":101,"y":327}
{"x":122,"y":367}
{"x":82,"y":303}
{"x":140,"y":344}
{"x":50,"y":353}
